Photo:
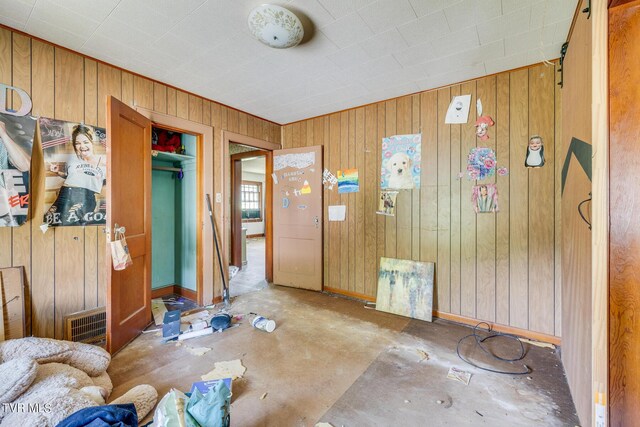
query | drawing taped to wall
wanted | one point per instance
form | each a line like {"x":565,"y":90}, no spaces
{"x":76,"y":172}
{"x":406,"y":288}
{"x":535,"y":152}
{"x":16,"y":145}
{"x":481,"y":163}
{"x":348,"y":181}
{"x":401,"y":156}
{"x":387,"y":203}
{"x":458,"y":111}
{"x":485,"y":198}
{"x":329,"y":179}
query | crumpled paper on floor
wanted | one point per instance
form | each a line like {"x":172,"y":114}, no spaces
{"x":231,"y":369}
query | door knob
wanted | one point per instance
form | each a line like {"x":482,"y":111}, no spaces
{"x":316,"y":221}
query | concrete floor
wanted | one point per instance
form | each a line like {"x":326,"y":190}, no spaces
{"x":251,"y":277}
{"x":330,"y":359}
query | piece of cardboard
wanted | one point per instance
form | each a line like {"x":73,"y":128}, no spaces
{"x":171,"y":325}
{"x":13,"y":313}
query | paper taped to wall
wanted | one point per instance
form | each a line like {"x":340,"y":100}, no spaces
{"x":458,"y":111}
{"x":337,"y":213}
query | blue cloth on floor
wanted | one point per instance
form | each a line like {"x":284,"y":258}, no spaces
{"x":124,"y":415}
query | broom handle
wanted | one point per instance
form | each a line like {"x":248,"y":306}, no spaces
{"x":225,"y":292}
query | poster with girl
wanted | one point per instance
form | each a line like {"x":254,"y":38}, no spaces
{"x":401,"y":155}
{"x":75,"y":162}
{"x":16,"y":145}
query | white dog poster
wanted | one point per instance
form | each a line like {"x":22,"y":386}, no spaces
{"x":401,"y":162}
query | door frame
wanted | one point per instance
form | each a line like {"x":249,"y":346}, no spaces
{"x":204,"y":183}
{"x":236,"y":138}
{"x":235,"y":251}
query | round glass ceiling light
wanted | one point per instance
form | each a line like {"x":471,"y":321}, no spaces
{"x":275,"y":26}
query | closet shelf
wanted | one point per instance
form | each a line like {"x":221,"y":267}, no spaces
{"x":171,"y":157}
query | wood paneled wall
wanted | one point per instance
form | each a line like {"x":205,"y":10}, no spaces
{"x":65,"y":266}
{"x":576,"y":235}
{"x":502,"y":268}
{"x":624,"y":239}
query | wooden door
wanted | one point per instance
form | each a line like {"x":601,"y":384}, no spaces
{"x":624,"y":231}
{"x":236,"y":212}
{"x":129,"y":206}
{"x":576,"y":235}
{"x":297,"y":217}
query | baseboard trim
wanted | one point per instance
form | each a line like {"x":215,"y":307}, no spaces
{"x":537,"y":336}
{"x":349,"y":294}
{"x":161,"y":292}
{"x":174,"y":289}
{"x":251,"y":236}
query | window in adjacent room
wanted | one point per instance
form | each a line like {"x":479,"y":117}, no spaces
{"x":251,"y":201}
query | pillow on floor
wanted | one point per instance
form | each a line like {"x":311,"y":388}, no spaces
{"x":17,"y":375}
{"x":43,"y":350}
{"x":89,"y":358}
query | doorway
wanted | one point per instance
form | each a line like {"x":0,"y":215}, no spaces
{"x":129,"y":153}
{"x":174,"y":212}
{"x":249,"y":218}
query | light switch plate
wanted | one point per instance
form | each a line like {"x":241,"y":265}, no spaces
{"x":218,"y":197}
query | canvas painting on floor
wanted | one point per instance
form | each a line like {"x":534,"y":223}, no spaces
{"x":406,"y":288}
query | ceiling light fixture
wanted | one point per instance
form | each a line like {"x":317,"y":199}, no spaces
{"x":275,"y":26}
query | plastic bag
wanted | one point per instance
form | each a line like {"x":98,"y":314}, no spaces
{"x":170,"y":410}
{"x":212,"y":409}
{"x":120,"y":252}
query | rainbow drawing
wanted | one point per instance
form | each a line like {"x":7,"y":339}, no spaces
{"x":348,"y":181}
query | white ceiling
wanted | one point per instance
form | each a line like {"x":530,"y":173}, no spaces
{"x":361,"y":50}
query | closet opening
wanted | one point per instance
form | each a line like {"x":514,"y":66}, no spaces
{"x":175,"y":213}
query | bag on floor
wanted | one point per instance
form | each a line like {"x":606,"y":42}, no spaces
{"x":211,"y":409}
{"x":120,"y":252}
{"x":170,"y":410}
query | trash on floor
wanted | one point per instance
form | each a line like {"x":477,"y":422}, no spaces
{"x":193,"y":334}
{"x":198,"y":351}
{"x":422,"y":354}
{"x":263,"y":323}
{"x":208,"y":408}
{"x":324,"y":425}
{"x":233,"y":270}
{"x":230,"y":369}
{"x":263,"y":396}
{"x":537,"y":343}
{"x":220,"y":322}
{"x":171,"y":325}
{"x":194,"y":316}
{"x":158,"y":309}
{"x":205,"y":386}
{"x":459,"y":375}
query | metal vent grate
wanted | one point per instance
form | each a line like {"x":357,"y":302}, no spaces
{"x":88,"y":326}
